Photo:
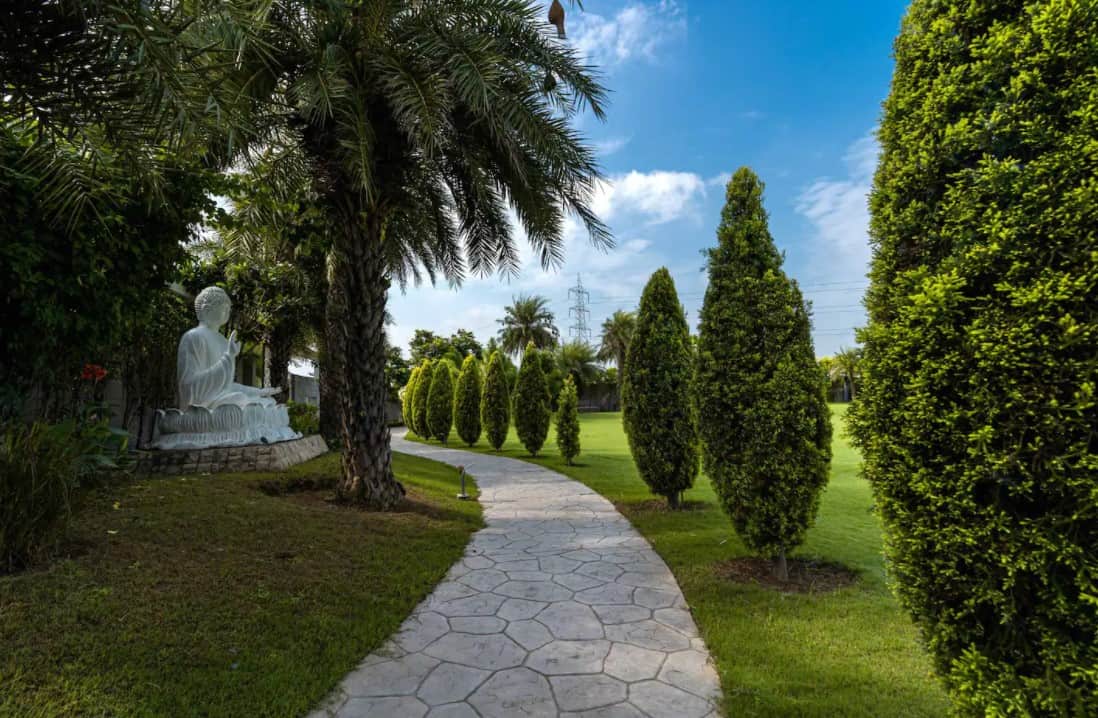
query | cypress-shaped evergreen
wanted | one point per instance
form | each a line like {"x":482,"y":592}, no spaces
{"x":406,"y":399}
{"x":495,"y":402}
{"x":976,"y":414}
{"x":764,"y":422}
{"x":655,"y":393}
{"x":467,"y":401}
{"x":568,"y":428}
{"x":532,"y":402}
{"x":440,"y":401}
{"x":419,"y":398}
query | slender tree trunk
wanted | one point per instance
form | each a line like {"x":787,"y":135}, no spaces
{"x":277,"y":369}
{"x":781,"y":568}
{"x":673,"y":500}
{"x":356,"y":345}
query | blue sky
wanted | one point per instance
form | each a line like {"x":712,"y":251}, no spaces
{"x":790,"y":88}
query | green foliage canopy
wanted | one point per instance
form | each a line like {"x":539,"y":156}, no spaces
{"x":495,"y":403}
{"x":977,"y":408}
{"x":568,"y":429}
{"x":532,"y":401}
{"x":656,"y":408}
{"x":467,"y":401}
{"x":440,"y":401}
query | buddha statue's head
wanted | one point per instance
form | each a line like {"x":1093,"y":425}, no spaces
{"x":212,"y":305}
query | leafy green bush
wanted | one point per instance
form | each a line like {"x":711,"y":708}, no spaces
{"x":977,"y":408}
{"x":655,"y":393}
{"x":40,"y":467}
{"x":419,"y":398}
{"x":495,"y":402}
{"x":304,"y":418}
{"x":568,"y":426}
{"x":440,"y":401}
{"x":407,"y":396}
{"x":531,"y":400}
{"x":765,"y":426}
{"x":467,"y":401}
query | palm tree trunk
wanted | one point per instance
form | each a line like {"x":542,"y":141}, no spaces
{"x":279,"y":349}
{"x":356,"y":345}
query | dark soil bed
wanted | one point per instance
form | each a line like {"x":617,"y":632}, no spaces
{"x":805,"y":575}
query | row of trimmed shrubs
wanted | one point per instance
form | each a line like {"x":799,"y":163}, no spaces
{"x":477,"y":400}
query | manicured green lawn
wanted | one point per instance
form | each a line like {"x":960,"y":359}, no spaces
{"x":848,"y":653}
{"x":202,"y":596}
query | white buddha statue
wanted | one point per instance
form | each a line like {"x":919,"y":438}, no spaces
{"x":214,"y":410}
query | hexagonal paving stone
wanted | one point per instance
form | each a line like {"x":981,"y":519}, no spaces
{"x":482,"y":604}
{"x":571,"y":621}
{"x":529,"y":564}
{"x":490,"y":652}
{"x":483,"y":579}
{"x":534,"y":591}
{"x":608,"y":593}
{"x":660,"y":699}
{"x":648,"y":634}
{"x":421,"y":629}
{"x":530,"y":635}
{"x":405,"y":706}
{"x":517,"y":692}
{"x":577,"y":582}
{"x":450,"y":682}
{"x":478,"y":624}
{"x":453,"y":710}
{"x":691,"y":671}
{"x":633,"y":663}
{"x":647,"y":579}
{"x":601,"y":569}
{"x":678,"y":618}
{"x":611,"y":614}
{"x":577,"y":693}
{"x":582,"y":555}
{"x":558,"y":564}
{"x":518,"y":609}
{"x":655,"y":597}
{"x":477,"y":562}
{"x":561,"y":657}
{"x":397,"y":677}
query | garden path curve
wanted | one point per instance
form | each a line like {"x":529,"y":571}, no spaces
{"x":558,"y":608}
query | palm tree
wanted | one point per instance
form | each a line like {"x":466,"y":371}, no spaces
{"x":845,"y":367}
{"x":528,"y":319}
{"x":578,"y":359}
{"x":423,"y":125}
{"x":617,"y":331}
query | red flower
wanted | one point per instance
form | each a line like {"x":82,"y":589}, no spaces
{"x":93,"y":372}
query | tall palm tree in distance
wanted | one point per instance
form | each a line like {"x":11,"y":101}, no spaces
{"x":528,"y":319}
{"x":578,"y":359}
{"x":845,"y":367}
{"x":617,"y":332}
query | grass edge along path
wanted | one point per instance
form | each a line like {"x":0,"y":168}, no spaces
{"x":202,"y":595}
{"x":851,"y":652}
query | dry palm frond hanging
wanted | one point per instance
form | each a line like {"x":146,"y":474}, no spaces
{"x":556,"y":17}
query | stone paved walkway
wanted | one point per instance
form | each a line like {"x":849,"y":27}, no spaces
{"x":558,"y":608}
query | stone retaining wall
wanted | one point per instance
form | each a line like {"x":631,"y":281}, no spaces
{"x":256,"y":457}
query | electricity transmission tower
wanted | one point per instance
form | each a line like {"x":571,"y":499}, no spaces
{"x":579,"y":297}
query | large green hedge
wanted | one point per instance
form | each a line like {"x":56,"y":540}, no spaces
{"x":467,"y":401}
{"x":568,"y":427}
{"x":495,"y":402}
{"x":763,"y":418}
{"x":440,"y":401}
{"x":419,"y":398}
{"x":977,"y":412}
{"x":655,"y":392}
{"x":532,"y":401}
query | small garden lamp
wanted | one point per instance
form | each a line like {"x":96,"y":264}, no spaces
{"x":463,"y":496}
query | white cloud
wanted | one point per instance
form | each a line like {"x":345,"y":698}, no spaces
{"x":636,"y":31}
{"x":839,"y":212}
{"x":720,"y":179}
{"x":610,"y":145}
{"x":657,"y":196}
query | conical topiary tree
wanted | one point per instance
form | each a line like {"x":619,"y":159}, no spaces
{"x":467,"y":401}
{"x":531,"y":402}
{"x":656,"y":410}
{"x":406,"y":399}
{"x":419,"y":398}
{"x":568,"y":428}
{"x":976,"y":408}
{"x":495,"y":402}
{"x":764,"y":422}
{"x":440,"y":401}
